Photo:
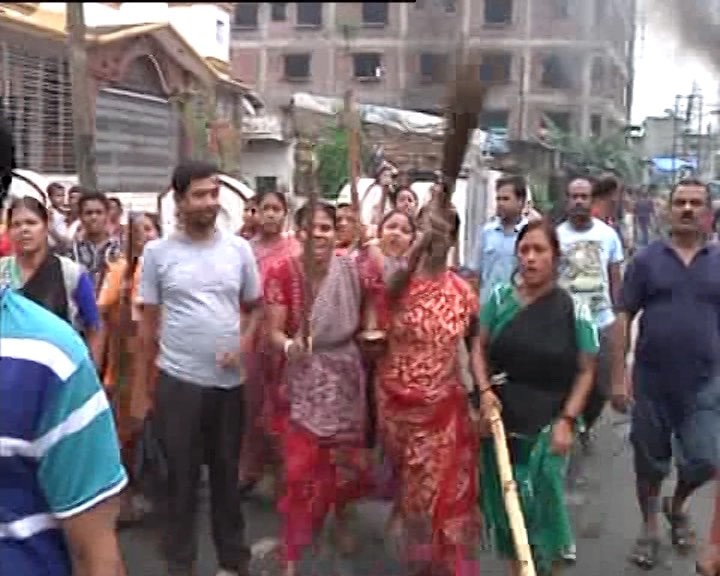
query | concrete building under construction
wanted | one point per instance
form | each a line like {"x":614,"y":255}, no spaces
{"x":564,"y":59}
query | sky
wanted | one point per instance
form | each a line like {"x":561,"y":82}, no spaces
{"x":664,"y":68}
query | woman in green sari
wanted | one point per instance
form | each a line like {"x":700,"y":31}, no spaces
{"x":534,"y":358}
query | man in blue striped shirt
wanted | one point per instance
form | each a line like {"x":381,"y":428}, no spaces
{"x":59,"y":458}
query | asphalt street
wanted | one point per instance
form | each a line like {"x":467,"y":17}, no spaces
{"x":606,"y":522}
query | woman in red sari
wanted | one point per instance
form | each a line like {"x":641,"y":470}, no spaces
{"x":270,"y":245}
{"x":326,"y":466}
{"x":425,"y":416}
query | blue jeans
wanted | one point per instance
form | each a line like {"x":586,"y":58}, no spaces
{"x":685,"y":421}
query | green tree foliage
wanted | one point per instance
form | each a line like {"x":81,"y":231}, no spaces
{"x":597,"y":155}
{"x":332,"y":161}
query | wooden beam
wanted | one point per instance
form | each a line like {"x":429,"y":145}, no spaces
{"x":24,"y":8}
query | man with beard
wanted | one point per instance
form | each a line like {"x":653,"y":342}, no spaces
{"x":591,"y":269}
{"x":198,"y":278}
{"x":675,"y":284}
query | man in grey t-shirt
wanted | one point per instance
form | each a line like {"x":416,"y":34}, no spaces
{"x":199,"y":277}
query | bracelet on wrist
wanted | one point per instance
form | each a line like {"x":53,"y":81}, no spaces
{"x":288,"y":344}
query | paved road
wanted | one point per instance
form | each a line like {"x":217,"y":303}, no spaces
{"x":604,"y":509}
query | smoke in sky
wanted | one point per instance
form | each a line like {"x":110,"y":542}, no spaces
{"x":695,"y":24}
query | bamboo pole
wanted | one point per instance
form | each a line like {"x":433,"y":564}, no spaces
{"x":309,"y":272}
{"x":511,"y":497}
{"x":353,"y":139}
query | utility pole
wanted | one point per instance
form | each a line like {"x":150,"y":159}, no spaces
{"x":676,"y":113}
{"x":83,"y":129}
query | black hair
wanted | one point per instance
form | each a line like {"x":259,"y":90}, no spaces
{"x":301,"y":215}
{"x":7,"y":156}
{"x":547,"y":227}
{"x":188,"y":172}
{"x":695,"y":182}
{"x":518,"y":184}
{"x":605,"y":187}
{"x":396,"y":193}
{"x":29,"y":203}
{"x":117,"y":203}
{"x":55,"y":186}
{"x":260,"y":196}
{"x":396,"y":212}
{"x":93,"y":196}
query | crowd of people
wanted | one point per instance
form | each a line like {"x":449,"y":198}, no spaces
{"x":346,"y":362}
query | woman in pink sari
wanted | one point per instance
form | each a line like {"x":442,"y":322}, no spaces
{"x":270,"y":245}
{"x":326,"y":464}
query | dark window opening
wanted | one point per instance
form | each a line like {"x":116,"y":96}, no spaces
{"x":596,"y":125}
{"x":560,"y":120}
{"x":433,"y":68}
{"x":375,"y":13}
{"x":450,"y":6}
{"x":555,"y":74}
{"x":498,"y":12}
{"x":246,"y":15}
{"x":598,"y":75}
{"x":309,"y":14}
{"x":278,"y":11}
{"x":494,"y":119}
{"x":265,"y":184}
{"x":561,"y":9}
{"x":367,"y":66}
{"x":496,"y":68}
{"x":297,"y":66}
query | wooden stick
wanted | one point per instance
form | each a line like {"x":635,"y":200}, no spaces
{"x":353,"y":139}
{"x":310,"y":189}
{"x":511,"y":497}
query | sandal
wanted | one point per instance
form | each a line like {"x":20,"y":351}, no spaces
{"x":646,"y":553}
{"x":682,"y":534}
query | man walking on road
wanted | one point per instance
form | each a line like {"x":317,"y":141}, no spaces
{"x":592,"y":255}
{"x":675,"y":284}
{"x":199,"y":277}
{"x":494,"y":259}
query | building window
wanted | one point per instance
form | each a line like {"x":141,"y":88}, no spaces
{"x":554,"y":73}
{"x":278,"y":11}
{"x":494,"y":119}
{"x":265,"y":184}
{"x":596,"y":125}
{"x":246,"y":15}
{"x":433,"y":68}
{"x":375,"y":14}
{"x":220,"y":32}
{"x":309,"y":14}
{"x":367,"y":66}
{"x":450,"y":6}
{"x":496,"y":67}
{"x":297,"y":67}
{"x":561,"y":9}
{"x":498,"y":12}
{"x":560,"y":120}
{"x":598,"y":75}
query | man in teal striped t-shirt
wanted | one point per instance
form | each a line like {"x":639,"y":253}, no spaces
{"x":59,"y":456}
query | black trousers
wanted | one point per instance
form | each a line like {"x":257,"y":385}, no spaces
{"x":201,"y":425}
{"x":600,"y":392}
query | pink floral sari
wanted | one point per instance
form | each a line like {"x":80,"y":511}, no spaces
{"x":324,"y":419}
{"x":258,"y":449}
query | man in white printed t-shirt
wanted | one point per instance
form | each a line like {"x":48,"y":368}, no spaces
{"x":592,"y":255}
